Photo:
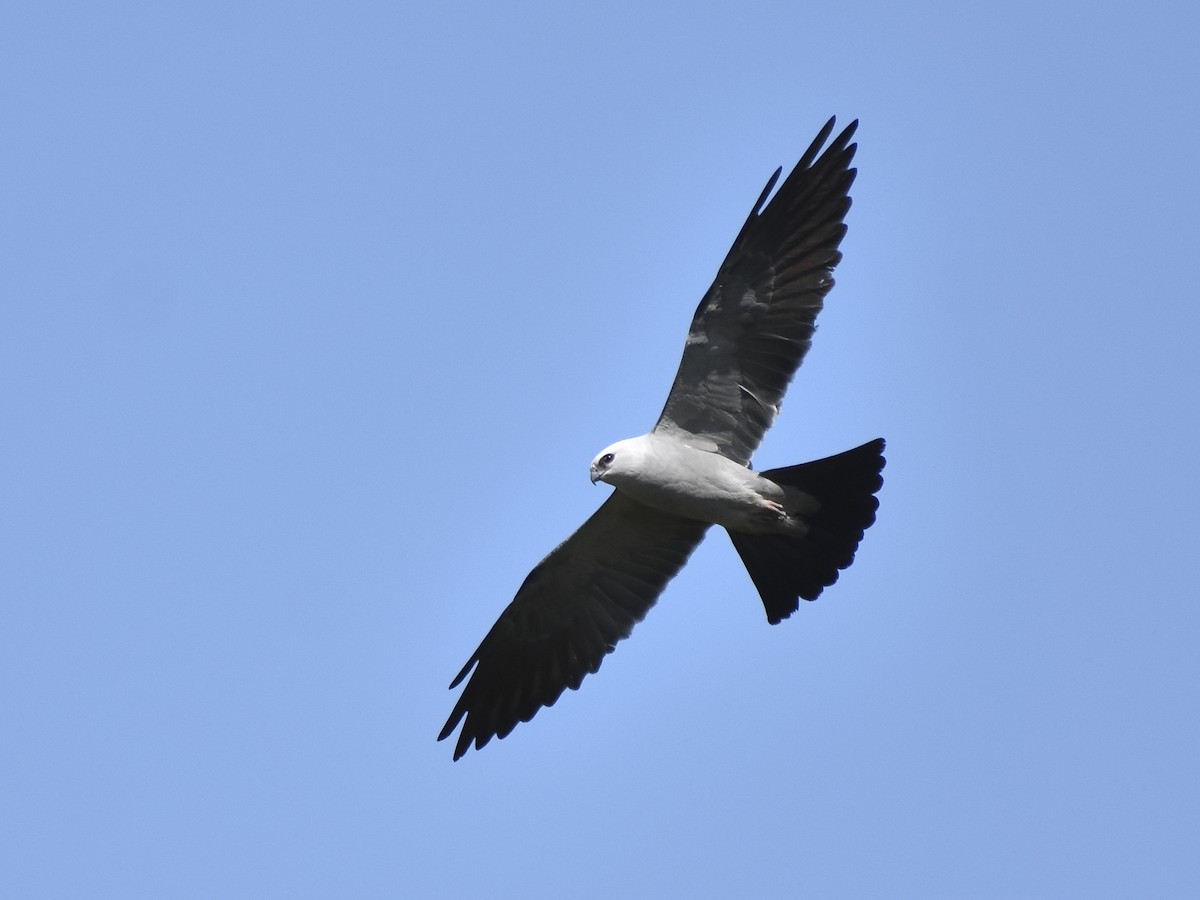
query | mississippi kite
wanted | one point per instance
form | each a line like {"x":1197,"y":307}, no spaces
{"x":795,"y":528}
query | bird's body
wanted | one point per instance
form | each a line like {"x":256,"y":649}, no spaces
{"x":676,"y":478}
{"x":795,"y":528}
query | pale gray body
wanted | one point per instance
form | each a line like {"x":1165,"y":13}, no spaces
{"x":670,"y":475}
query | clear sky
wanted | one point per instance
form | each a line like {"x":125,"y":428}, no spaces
{"x":313,"y":316}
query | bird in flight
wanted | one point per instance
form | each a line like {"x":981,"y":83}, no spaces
{"x":794,"y":528}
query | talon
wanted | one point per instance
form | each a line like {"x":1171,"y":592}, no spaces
{"x":775,"y":508}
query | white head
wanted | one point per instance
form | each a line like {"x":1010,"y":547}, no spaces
{"x":618,"y":460}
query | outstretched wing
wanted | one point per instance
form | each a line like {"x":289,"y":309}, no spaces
{"x":756,"y":322}
{"x":568,"y":615}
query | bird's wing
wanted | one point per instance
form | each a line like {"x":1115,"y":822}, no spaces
{"x":568,"y":615}
{"x":756,"y":322}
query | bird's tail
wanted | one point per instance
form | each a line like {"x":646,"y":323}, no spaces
{"x":785,"y":568}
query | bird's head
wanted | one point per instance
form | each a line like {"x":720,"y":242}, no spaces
{"x":614,"y":460}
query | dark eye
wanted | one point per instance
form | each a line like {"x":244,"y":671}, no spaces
{"x":606,"y":459}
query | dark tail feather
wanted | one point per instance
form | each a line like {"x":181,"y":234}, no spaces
{"x":786,"y":568}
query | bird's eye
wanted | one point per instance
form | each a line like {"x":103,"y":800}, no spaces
{"x":606,"y":459}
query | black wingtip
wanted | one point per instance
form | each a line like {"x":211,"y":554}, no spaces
{"x":818,"y":142}
{"x":826,"y":130}
{"x":464,"y":738}
{"x":766,"y":192}
{"x":465,"y":669}
{"x":840,"y":144}
{"x":447,"y":729}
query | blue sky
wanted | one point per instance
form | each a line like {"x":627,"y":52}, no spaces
{"x":312,"y":317}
